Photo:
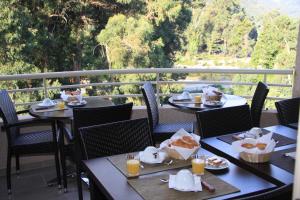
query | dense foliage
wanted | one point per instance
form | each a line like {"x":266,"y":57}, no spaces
{"x":40,"y":36}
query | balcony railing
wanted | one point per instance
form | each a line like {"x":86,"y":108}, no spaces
{"x":158,"y":82}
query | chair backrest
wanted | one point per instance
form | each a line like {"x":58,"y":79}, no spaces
{"x":115,"y":138}
{"x":258,"y":101}
{"x":101,"y":115}
{"x":283,"y":192}
{"x":222,"y":121}
{"x":8,"y":114}
{"x":288,"y":110}
{"x":152,"y":107}
{"x":84,"y":117}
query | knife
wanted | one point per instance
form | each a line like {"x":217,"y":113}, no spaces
{"x":208,"y":186}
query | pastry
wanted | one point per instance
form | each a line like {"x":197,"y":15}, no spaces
{"x":261,"y":146}
{"x":185,"y":142}
{"x":248,"y":145}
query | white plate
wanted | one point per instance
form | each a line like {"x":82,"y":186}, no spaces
{"x":47,"y":105}
{"x":211,"y":167}
{"x":162,"y":157}
{"x":77,"y":104}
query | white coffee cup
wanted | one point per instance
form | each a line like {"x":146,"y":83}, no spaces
{"x":253,"y":133}
{"x":149,"y":153}
{"x":184,"y":180}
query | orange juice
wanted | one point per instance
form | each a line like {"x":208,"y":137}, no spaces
{"x":61,"y":105}
{"x":197,"y":99}
{"x":198,"y":165}
{"x":133,"y":167}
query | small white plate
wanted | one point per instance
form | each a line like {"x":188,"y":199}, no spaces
{"x":47,"y":105}
{"x":162,"y":156}
{"x":77,"y":104}
{"x":212,"y":167}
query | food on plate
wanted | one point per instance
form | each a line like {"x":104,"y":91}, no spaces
{"x":185,"y":142}
{"x":248,"y":145}
{"x":216,"y":161}
{"x":261,"y":146}
{"x":72,"y":96}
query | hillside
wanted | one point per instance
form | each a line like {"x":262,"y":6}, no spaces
{"x":257,"y":8}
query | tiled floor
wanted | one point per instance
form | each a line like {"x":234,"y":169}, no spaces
{"x":31,"y":185}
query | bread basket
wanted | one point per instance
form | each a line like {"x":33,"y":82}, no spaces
{"x":173,"y":153}
{"x":255,"y":158}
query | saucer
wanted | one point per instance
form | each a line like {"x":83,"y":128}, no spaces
{"x":161,"y":157}
{"x":196,"y":188}
{"x":47,"y":105}
{"x":77,"y":104}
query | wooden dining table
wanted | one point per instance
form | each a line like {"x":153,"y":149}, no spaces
{"x":227,"y":101}
{"x":274,"y":173}
{"x":108,"y":182}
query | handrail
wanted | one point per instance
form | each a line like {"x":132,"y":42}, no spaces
{"x":64,"y":74}
{"x":157,"y":82}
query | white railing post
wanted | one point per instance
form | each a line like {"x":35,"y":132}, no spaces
{"x":265,"y":78}
{"x":157,"y":88}
{"x":45,"y":87}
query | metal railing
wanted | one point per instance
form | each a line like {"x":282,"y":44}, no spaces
{"x":158,"y":82}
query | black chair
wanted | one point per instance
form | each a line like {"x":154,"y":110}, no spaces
{"x":283,"y":192}
{"x":258,"y":101}
{"x":31,"y":143}
{"x":160,"y":131}
{"x":288,"y":111}
{"x":115,"y":138}
{"x":84,"y":117}
{"x":222,"y":121}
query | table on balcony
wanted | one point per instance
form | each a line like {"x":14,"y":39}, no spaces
{"x":229,"y":101}
{"x":108,"y":182}
{"x":268,"y":171}
{"x":60,"y":116}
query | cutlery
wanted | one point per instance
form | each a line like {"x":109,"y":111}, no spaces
{"x":169,"y":162}
{"x":164,"y":180}
{"x":208,"y":186}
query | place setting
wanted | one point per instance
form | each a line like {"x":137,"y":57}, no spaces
{"x":255,"y":133}
{"x":173,"y":153}
{"x":175,"y":170}
{"x":187,"y":183}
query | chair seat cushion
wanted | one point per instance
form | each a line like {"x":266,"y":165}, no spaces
{"x":34,"y":142}
{"x":166,"y":130}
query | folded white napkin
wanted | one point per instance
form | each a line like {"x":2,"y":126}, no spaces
{"x":291,"y":154}
{"x":196,"y":188}
{"x":184,"y":96}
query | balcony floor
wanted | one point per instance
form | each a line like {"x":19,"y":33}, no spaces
{"x":32,"y":185}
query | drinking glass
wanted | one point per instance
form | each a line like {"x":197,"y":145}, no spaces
{"x":198,"y":164}
{"x":197,"y":99}
{"x":61,"y":105}
{"x":132,"y":165}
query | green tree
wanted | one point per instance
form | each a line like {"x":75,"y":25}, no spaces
{"x":276,"y":44}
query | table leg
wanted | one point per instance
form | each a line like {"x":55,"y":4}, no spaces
{"x":60,"y":126}
{"x":95,"y":193}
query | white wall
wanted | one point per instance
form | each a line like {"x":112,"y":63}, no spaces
{"x":296,"y":88}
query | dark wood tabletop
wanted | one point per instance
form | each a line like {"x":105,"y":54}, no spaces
{"x":229,"y":101}
{"x":68,"y":113}
{"x":105,"y":178}
{"x":268,"y":171}
{"x":293,"y":125}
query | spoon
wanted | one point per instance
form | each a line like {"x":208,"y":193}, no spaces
{"x":164,"y":180}
{"x":169,"y":162}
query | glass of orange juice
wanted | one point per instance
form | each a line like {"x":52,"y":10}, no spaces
{"x":61,"y":105}
{"x":197,"y":99}
{"x":198,"y":164}
{"x":132,"y":165}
